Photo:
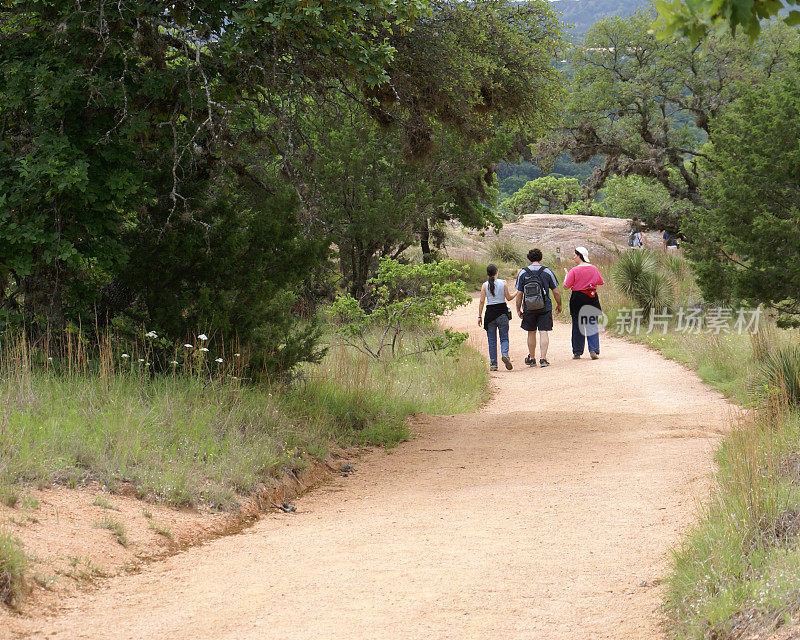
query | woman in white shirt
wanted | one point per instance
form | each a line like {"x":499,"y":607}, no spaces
{"x":494,"y":295}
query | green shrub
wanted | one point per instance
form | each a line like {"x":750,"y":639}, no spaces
{"x":403,"y":297}
{"x":654,"y":293}
{"x":13,"y":563}
{"x":584,"y":208}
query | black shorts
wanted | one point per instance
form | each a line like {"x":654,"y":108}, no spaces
{"x":541,"y":320}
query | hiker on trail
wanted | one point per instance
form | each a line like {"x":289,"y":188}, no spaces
{"x":495,"y":292}
{"x":534,"y":306}
{"x":584,"y":305}
{"x":670,"y":242}
{"x":636,"y":238}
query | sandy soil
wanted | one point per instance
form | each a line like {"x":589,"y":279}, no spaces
{"x":65,"y":544}
{"x":68,"y":550}
{"x":547,"y":515}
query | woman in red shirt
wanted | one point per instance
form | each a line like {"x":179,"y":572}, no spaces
{"x":584,"y":305}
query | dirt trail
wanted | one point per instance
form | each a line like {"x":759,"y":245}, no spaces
{"x":547,"y":515}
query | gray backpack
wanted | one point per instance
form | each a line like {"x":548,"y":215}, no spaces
{"x":535,"y":290}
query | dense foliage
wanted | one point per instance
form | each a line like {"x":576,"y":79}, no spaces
{"x":646,"y":104}
{"x":747,"y":240}
{"x":580,"y":16}
{"x":513,"y":176}
{"x":179,"y":167}
{"x":641,"y":199}
{"x":544,"y":195}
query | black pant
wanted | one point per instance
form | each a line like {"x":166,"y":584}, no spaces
{"x":585,"y":312}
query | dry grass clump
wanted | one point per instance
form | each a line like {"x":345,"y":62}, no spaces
{"x":13,"y":564}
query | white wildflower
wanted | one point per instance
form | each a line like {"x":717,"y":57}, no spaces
{"x":173,"y":362}
{"x":151,"y":334}
{"x":125,"y":355}
{"x":237,"y":355}
{"x":203,"y":349}
{"x":141,"y":359}
{"x":189,"y":346}
{"x":202,"y":336}
{"x":218,"y":360}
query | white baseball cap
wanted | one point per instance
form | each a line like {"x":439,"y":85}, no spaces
{"x":584,"y":253}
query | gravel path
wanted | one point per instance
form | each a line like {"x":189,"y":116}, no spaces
{"x":547,"y":515}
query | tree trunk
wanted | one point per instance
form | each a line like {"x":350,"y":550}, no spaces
{"x":361,"y":260}
{"x":42,"y":296}
{"x":425,"y":242}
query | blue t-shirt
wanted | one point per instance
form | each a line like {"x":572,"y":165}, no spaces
{"x":672,"y":241}
{"x":548,"y":303}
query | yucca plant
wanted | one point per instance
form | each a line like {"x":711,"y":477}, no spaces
{"x":637,"y":277}
{"x":676,"y":265}
{"x":628,"y":273}
{"x":654,"y":293}
{"x":780,"y":374}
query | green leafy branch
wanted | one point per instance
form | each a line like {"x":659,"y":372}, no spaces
{"x":402,"y":297}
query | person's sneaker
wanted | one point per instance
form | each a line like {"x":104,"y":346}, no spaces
{"x":576,"y":356}
{"x":594,"y":355}
{"x":493,"y":367}
{"x":544,"y":363}
{"x":507,"y":362}
{"x":530,"y":361}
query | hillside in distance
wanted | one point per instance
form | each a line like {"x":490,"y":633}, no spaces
{"x":582,"y":14}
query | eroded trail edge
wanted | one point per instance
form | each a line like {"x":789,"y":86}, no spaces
{"x":549,"y":514}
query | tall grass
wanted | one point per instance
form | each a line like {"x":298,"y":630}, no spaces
{"x":736,"y":574}
{"x":475,"y":274}
{"x":508,"y":251}
{"x":191,"y":439}
{"x":13,"y":564}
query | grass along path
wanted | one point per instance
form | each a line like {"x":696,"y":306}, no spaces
{"x":548,"y":515}
{"x":75,"y":450}
{"x":196,"y":442}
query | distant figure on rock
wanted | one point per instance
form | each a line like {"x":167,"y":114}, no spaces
{"x":637,"y":238}
{"x":534,"y":306}
{"x":495,"y":292}
{"x":670,"y":241}
{"x":584,"y":305}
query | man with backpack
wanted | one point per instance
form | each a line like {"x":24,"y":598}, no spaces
{"x":670,"y":241}
{"x":534,"y":306}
